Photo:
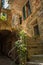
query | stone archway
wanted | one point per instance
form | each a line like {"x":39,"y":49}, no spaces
{"x":7,"y":40}
{"x":4,"y":35}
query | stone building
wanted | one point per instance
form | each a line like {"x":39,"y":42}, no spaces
{"x":10,"y":20}
{"x":5,"y":27}
{"x":29,"y":15}
{"x":7,"y":33}
{"x":32,"y":16}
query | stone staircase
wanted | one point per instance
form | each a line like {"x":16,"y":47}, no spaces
{"x":34,"y":63}
{"x":36,"y":60}
{"x":35,"y":51}
{"x":34,"y":46}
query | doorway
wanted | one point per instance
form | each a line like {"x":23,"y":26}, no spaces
{"x":4,"y":35}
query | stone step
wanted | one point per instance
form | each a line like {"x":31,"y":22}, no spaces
{"x":37,"y":58}
{"x":34,"y":63}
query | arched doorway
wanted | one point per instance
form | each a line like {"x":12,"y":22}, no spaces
{"x":4,"y":35}
{"x":7,"y":41}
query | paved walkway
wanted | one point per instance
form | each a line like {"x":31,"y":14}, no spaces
{"x":5,"y":61}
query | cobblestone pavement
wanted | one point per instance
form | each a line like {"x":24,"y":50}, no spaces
{"x":5,"y":61}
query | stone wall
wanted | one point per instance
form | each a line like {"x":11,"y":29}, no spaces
{"x":34,"y":46}
{"x":0,"y":3}
{"x":32,"y":16}
{"x":6,"y":24}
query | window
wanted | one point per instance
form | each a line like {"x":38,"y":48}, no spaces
{"x":26,"y":10}
{"x":24,"y":13}
{"x":3,"y":16}
{"x":20,"y":20}
{"x":36,"y":30}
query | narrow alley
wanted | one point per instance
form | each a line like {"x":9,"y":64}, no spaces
{"x":21,"y":32}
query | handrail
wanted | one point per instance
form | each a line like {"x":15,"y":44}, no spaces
{"x":15,"y":59}
{"x":13,"y":49}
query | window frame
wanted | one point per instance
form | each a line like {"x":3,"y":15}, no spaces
{"x":36,"y":32}
{"x":29,"y":10}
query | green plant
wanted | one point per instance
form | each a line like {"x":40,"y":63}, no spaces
{"x":21,"y":47}
{"x":3,"y":16}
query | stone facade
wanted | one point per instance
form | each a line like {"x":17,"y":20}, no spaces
{"x":32,"y":17}
{"x":11,"y":24}
{"x":35,"y":18}
{"x":6,"y":25}
{"x":35,"y":45}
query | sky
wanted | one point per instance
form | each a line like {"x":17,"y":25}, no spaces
{"x":5,"y":5}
